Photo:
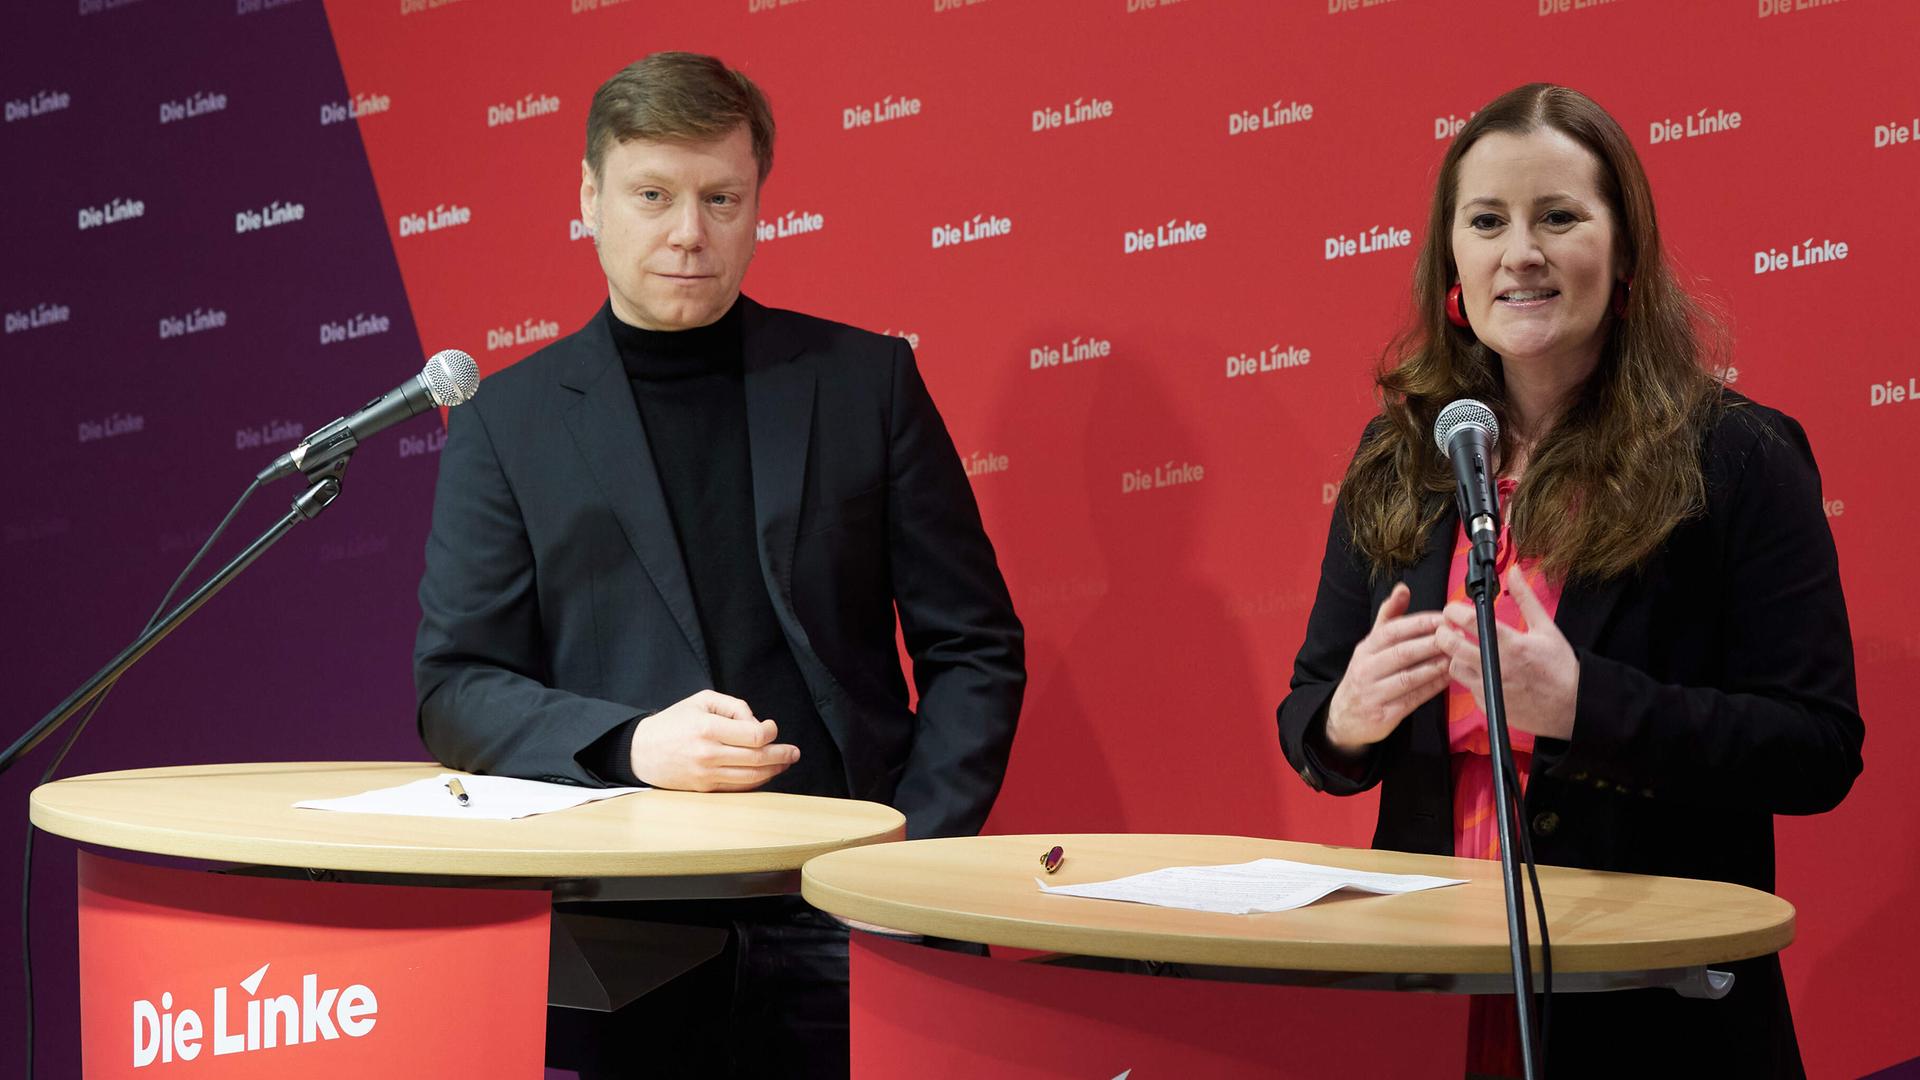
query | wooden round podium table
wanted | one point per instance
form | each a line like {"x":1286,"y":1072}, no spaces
{"x":1607,"y":930}
{"x":245,"y":814}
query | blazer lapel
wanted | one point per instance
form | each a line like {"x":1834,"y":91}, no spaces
{"x":606,"y":429}
{"x":779,"y":427}
{"x":1584,"y":608}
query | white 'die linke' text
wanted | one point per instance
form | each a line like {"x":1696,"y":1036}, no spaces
{"x":1149,"y":5}
{"x":1374,"y":239}
{"x":527,"y":108}
{"x":912,"y":338}
{"x":37,"y":316}
{"x":1278,"y":114}
{"x":1446,"y":127}
{"x":982,"y":227}
{"x":529,"y":332}
{"x":274,"y":213}
{"x":887,"y":109}
{"x":1899,"y":133}
{"x":1560,"y":7}
{"x":39,"y":104}
{"x":160,"y":1034}
{"x":1892,"y":393}
{"x":193,"y":322}
{"x":1171,"y":234}
{"x":1271,"y":358}
{"x":1341,"y":7}
{"x":1161,"y":476}
{"x":1770,"y":8}
{"x":430,"y":443}
{"x":1688,"y":127}
{"x":1804,"y":253}
{"x":1078,"y":111}
{"x":199,"y":104}
{"x":1069,"y":352}
{"x":92,"y":217}
{"x":270,"y":433}
{"x":793,"y":223}
{"x":579,"y":229}
{"x":977,"y":463}
{"x":754,"y":7}
{"x":335,"y":112}
{"x":440,"y":217}
{"x":358,"y":325}
{"x":115,"y":424}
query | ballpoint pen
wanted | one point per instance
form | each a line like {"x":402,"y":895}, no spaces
{"x":457,"y":790}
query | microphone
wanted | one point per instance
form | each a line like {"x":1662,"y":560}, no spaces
{"x":450,"y":377}
{"x":1466,"y":433}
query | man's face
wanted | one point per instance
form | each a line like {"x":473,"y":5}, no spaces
{"x":674,"y":226}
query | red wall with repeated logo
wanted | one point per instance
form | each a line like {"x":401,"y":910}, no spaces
{"x":1163,"y":619}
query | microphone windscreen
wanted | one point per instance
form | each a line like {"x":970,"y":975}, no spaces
{"x":1464,"y":413}
{"x":451,"y":377}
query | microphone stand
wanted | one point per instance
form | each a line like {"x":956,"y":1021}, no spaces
{"x":1483,"y":583}
{"x":323,"y":489}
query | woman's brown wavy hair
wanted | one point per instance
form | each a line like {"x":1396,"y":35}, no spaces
{"x":1621,"y":467}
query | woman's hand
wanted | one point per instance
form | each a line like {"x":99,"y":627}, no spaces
{"x":1539,"y":674}
{"x":1395,"y":669}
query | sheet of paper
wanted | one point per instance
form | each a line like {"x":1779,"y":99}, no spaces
{"x":489,"y":798}
{"x":1245,"y":888}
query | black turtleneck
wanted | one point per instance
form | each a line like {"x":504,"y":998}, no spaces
{"x":690,"y":389}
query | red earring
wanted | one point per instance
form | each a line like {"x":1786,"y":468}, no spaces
{"x":1622,"y":292}
{"x":1456,"y":308}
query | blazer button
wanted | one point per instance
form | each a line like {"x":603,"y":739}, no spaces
{"x":1546,"y":823}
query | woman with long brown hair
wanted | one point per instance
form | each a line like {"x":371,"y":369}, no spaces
{"x":1676,"y":660}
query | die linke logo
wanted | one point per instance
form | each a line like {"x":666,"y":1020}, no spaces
{"x":756,"y":6}
{"x":1078,"y":111}
{"x":1274,"y":357}
{"x":254,"y":7}
{"x":38,"y":104}
{"x":38,"y":316}
{"x":200,"y":104}
{"x":415,"y":7}
{"x":1266,"y":117}
{"x":981,"y":227}
{"x":1770,"y":8}
{"x":339,"y":112}
{"x":979,"y":464}
{"x":193,"y":322}
{"x":93,"y":217}
{"x":886,"y":110}
{"x":1172,"y":234}
{"x":1892,"y":393}
{"x":1807,"y":252}
{"x":272,"y":215}
{"x":941,"y":5}
{"x":440,"y":217}
{"x":1446,"y":127}
{"x":271,"y":433}
{"x":1341,"y":7}
{"x":578,"y":229}
{"x":1561,"y":7}
{"x":527,"y":332}
{"x":792,"y":223}
{"x":418,"y":445}
{"x":910,"y":337}
{"x":162,"y":1035}
{"x":1149,"y":5}
{"x":358,"y":325}
{"x":1076,"y":351}
{"x":1900,"y":133}
{"x":582,"y":6}
{"x":530,"y":107}
{"x":1692,"y":127}
{"x":1374,"y":239}
{"x":1165,"y":475}
{"x":112,"y":426}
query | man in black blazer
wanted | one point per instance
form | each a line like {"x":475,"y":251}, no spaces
{"x":670,"y":548}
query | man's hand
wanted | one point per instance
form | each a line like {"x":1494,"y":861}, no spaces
{"x":1395,"y":669}
{"x":709,"y":742}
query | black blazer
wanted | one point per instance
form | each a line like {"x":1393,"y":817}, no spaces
{"x":1716,"y":690}
{"x":555,"y":605}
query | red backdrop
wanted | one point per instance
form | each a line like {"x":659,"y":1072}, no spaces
{"x":1163,"y":618}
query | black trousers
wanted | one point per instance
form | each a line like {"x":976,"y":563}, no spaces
{"x":772,"y":1004}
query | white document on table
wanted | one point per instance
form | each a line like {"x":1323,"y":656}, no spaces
{"x":1245,"y":888}
{"x":489,"y":798}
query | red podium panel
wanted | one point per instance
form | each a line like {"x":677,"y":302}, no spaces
{"x":214,"y":975}
{"x":927,"y":1014}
